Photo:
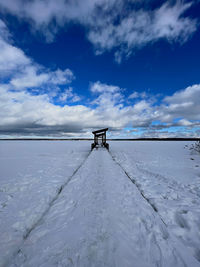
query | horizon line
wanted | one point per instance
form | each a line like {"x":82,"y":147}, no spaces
{"x":108,"y":139}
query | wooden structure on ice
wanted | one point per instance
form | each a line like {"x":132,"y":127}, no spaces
{"x":100,"y":139}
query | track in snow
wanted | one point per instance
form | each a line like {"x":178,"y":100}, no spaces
{"x":139,"y":188}
{"x":100,"y":219}
{"x":176,"y":203}
{"x":54,"y":199}
{"x":40,"y":218}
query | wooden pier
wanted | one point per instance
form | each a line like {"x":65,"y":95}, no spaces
{"x":100,"y":139}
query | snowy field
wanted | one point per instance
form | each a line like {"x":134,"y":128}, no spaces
{"x":137,"y":205}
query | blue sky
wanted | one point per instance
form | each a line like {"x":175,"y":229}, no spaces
{"x":68,"y":67}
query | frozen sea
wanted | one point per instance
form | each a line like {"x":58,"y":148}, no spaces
{"x":136,"y":205}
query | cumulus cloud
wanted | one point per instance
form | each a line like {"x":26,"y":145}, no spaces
{"x":22,"y":73}
{"x":184,"y":122}
{"x":110,"y":24}
{"x":23,"y":108}
{"x":69,"y":94}
{"x":26,"y":114}
{"x":184,"y":103}
{"x":99,"y":87}
{"x":11,"y":57}
{"x":107,"y":97}
{"x":35,"y":76}
{"x":136,"y":95}
{"x":34,"y":114}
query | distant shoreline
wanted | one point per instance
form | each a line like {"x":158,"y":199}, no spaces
{"x":108,"y":139}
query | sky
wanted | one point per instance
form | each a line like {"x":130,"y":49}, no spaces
{"x":68,"y":67}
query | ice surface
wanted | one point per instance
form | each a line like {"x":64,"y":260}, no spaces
{"x":135,"y":206}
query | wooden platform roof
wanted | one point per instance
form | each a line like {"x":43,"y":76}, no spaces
{"x":99,"y":131}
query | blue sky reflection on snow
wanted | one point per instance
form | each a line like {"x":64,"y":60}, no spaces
{"x":68,"y":67}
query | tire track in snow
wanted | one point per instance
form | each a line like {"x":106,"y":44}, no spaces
{"x":179,"y":245}
{"x":138,"y":187}
{"x":55,"y":198}
{"x":41,"y":217}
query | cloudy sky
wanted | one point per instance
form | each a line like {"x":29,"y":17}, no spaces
{"x":68,"y":67}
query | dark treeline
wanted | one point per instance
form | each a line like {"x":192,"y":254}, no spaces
{"x":109,"y":139}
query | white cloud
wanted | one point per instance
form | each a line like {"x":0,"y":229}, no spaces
{"x":4,"y":33}
{"x":191,"y":93}
{"x":141,"y":106}
{"x":184,"y":103}
{"x":106,"y":24}
{"x":61,"y":77}
{"x":23,"y":73}
{"x":142,"y":27}
{"x":29,"y":78}
{"x":184,"y":122}
{"x":35,"y":76}
{"x":136,"y":94}
{"x":170,"y":23}
{"x":108,"y":96}
{"x":11,"y":57}
{"x":20,"y":107}
{"x":99,"y":87}
{"x":69,"y":95}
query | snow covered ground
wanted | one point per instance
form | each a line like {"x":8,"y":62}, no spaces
{"x":61,"y":205}
{"x":168,"y":176}
{"x":31,"y":175}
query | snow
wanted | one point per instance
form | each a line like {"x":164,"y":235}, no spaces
{"x":168,"y":175}
{"x":137,"y":205}
{"x":31,"y":173}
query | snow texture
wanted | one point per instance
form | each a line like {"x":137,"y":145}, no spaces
{"x":168,"y":176}
{"x":31,"y":176}
{"x":137,"y":205}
